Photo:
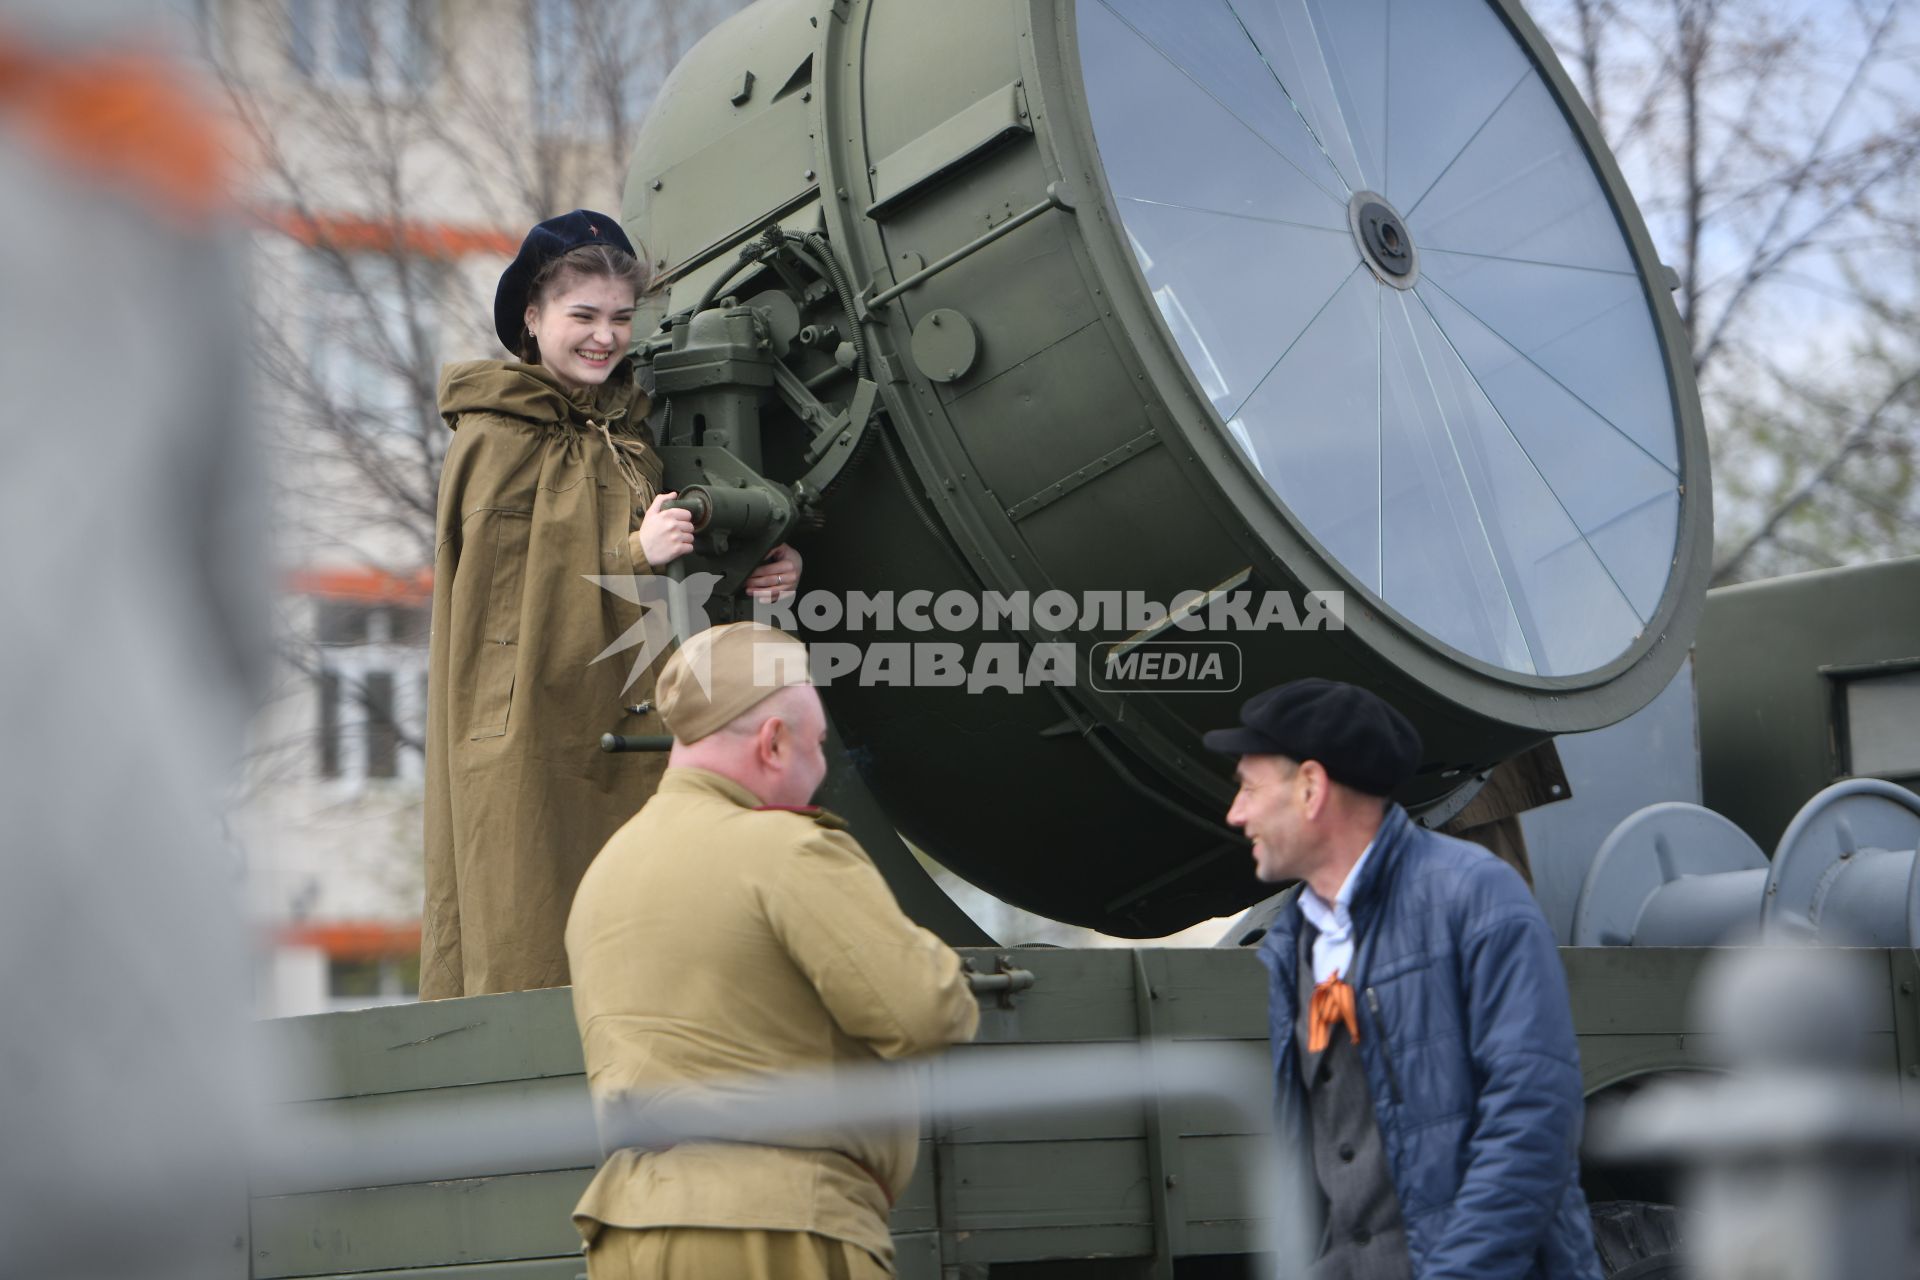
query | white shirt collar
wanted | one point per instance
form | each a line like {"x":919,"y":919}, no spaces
{"x":1334,"y":919}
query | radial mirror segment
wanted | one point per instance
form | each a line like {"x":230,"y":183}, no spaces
{"x":1479,"y":427}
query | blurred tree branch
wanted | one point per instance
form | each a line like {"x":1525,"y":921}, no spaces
{"x":1774,"y":147}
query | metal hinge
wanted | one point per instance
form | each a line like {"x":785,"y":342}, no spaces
{"x":1002,"y":982}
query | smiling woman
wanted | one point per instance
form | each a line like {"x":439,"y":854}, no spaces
{"x":579,"y":313}
{"x":586,"y":326}
{"x":551,"y":481}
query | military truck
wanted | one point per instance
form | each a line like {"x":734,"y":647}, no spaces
{"x":1131,"y":319}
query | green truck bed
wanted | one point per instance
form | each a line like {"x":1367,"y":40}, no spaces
{"x":1076,"y":1186}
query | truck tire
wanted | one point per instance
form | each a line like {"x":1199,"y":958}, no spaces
{"x":1637,"y":1240}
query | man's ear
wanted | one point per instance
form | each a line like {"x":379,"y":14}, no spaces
{"x":772,"y":741}
{"x":1313,"y":782}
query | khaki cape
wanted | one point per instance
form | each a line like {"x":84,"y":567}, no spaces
{"x":714,"y":944}
{"x":519,"y":796}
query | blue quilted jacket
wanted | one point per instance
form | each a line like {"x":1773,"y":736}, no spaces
{"x":1467,"y":1039}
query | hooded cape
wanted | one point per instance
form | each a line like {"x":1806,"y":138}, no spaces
{"x":519,"y":797}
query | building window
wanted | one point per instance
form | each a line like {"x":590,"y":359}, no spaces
{"x":370,"y":684}
{"x":383,"y":731}
{"x":363,"y":720}
{"x":373,"y":978}
{"x":346,"y":622}
{"x":372,"y":322}
{"x":362,"y":710}
{"x":383,"y":44}
{"x":338,"y":622}
{"x":408,"y":624}
{"x":329,"y":694}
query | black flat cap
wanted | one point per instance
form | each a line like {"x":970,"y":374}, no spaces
{"x":543,"y":244}
{"x":1358,"y":739}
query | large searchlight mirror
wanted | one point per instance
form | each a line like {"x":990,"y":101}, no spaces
{"x":1390,"y":264}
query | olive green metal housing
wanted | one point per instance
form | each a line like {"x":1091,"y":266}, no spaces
{"x":1781,"y":664}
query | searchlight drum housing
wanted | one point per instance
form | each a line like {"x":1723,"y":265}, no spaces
{"x":1205,"y":302}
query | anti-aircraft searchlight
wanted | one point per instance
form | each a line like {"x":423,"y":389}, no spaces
{"x":1215,"y":298}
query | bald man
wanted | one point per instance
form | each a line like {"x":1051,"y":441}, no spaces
{"x":727,"y":933}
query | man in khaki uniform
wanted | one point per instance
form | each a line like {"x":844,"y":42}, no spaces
{"x":728,"y":933}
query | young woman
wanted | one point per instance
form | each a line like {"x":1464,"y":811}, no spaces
{"x":551,"y":477}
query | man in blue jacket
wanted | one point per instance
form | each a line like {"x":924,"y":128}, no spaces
{"x":1422,"y":1040}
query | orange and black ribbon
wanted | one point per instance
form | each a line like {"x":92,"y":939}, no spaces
{"x":1332,"y":1003}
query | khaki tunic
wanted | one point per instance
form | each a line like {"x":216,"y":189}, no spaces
{"x":700,"y":1253}
{"x":713,"y":942}
{"x":519,"y":797}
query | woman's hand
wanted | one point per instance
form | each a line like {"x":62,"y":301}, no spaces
{"x":777,"y":578}
{"x":663,"y":536}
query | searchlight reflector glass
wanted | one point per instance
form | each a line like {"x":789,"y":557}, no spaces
{"x":1391,"y":266}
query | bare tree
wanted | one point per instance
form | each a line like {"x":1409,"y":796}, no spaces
{"x":1590,"y":19}
{"x":1774,"y":145}
{"x":1842,"y":483}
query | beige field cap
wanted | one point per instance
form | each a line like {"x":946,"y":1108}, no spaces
{"x":723,"y":671}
